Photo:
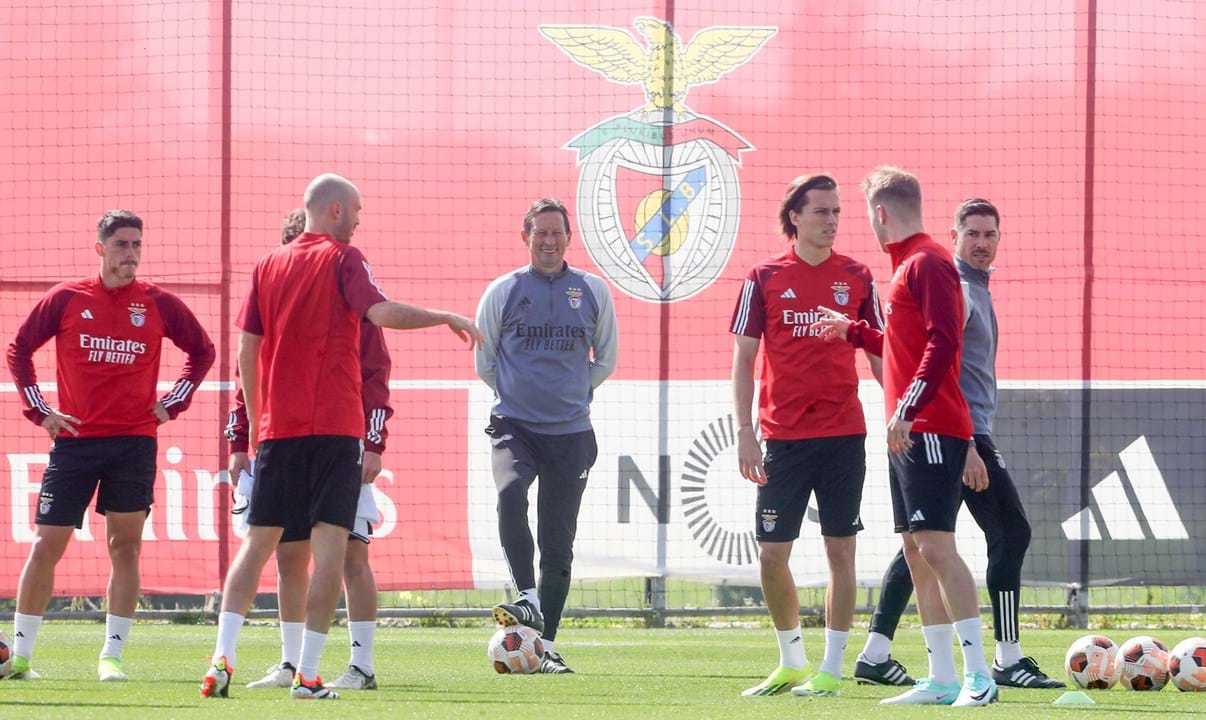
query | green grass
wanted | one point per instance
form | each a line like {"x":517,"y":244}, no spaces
{"x":443,"y":673}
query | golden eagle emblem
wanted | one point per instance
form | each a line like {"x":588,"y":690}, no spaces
{"x":667,"y":69}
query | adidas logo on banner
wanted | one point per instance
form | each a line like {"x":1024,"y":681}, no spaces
{"x":788,"y":294}
{"x":1118,"y":514}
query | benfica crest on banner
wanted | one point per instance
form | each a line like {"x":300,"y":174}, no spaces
{"x":659,"y":200}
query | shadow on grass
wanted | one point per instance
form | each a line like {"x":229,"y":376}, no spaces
{"x":80,"y":704}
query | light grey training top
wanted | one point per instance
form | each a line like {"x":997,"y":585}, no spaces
{"x":540,"y":331}
{"x":978,"y":372}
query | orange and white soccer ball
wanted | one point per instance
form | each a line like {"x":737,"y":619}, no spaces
{"x":1187,"y":665}
{"x":516,"y":649}
{"x":1092,"y":663}
{"x":1144,"y":663}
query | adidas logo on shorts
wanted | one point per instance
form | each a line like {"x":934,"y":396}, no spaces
{"x":917,"y":517}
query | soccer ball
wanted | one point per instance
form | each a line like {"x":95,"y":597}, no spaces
{"x":1144,"y":662}
{"x":1187,"y":665}
{"x":6,"y":655}
{"x":516,"y":649}
{"x":1092,"y":662}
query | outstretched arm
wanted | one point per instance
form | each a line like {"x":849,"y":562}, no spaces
{"x":400,"y":316}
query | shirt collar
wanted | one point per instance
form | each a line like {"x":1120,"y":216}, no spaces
{"x":898,"y":251}
{"x":973,"y":274}
{"x":551,"y":276}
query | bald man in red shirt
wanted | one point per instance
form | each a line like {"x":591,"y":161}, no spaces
{"x":299,"y":366}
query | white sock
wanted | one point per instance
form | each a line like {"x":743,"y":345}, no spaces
{"x":311,"y":654}
{"x":1008,"y":653}
{"x":548,"y":645}
{"x":291,"y":642}
{"x":117,"y":631}
{"x":835,"y":650}
{"x":229,"y":625}
{"x":942,"y":655}
{"x":25,"y":634}
{"x":530,"y":596}
{"x":362,"y":633}
{"x":878,"y":648}
{"x":971,"y":638}
{"x":791,"y":648}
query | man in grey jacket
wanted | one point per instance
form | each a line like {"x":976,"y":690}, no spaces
{"x":549,"y":340}
{"x":988,"y":489}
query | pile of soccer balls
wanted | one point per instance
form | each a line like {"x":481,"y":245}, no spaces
{"x":1094,"y":662}
{"x":515,"y":649}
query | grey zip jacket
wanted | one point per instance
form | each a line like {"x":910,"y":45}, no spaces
{"x":978,"y":373}
{"x":550,"y":340}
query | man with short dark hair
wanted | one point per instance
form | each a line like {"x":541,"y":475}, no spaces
{"x":108,"y":332}
{"x":301,"y":326}
{"x":811,"y":421}
{"x":550,"y":341}
{"x":988,"y":490}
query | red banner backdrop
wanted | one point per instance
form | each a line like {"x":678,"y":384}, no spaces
{"x":453,"y":117}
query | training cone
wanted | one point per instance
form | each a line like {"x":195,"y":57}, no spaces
{"x":1074,"y":697}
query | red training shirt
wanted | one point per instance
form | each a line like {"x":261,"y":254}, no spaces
{"x":809,"y":386}
{"x":307,"y":300}
{"x":923,"y":341}
{"x":107,"y":343}
{"x":374,"y":391}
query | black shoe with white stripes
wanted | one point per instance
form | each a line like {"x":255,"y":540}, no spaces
{"x":554,"y":664}
{"x":888,"y":672}
{"x":1024,"y":673}
{"x":519,"y":613}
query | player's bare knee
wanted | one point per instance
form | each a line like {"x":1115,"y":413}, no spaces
{"x":124,"y":545}
{"x":291,"y":567}
{"x":356,"y":562}
{"x":48,"y":548}
{"x":840,"y":551}
{"x":934,"y":555}
{"x":774,"y":556}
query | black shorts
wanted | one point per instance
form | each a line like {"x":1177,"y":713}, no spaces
{"x":306,"y":480}
{"x":927,"y":483}
{"x":833,"y":467}
{"x":124,"y":467}
{"x":296,"y":532}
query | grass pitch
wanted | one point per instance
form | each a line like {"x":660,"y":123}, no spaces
{"x":443,"y":673}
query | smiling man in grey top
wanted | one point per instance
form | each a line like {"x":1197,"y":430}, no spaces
{"x":549,"y":340}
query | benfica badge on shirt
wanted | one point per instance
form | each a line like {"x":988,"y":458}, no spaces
{"x":575,"y":297}
{"x":841,"y":293}
{"x":138,"y":314}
